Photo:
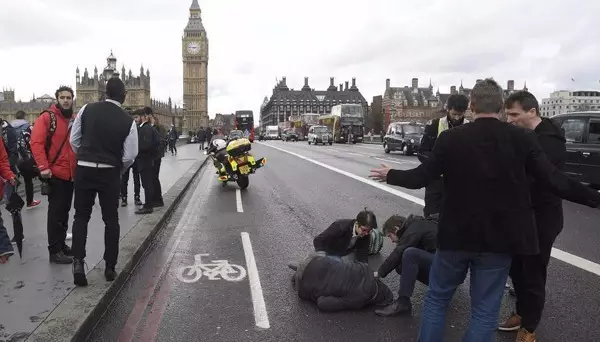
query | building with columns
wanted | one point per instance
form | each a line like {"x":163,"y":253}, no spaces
{"x":285,"y":102}
{"x":91,"y":88}
{"x":194,"y":50}
{"x":566,"y":101}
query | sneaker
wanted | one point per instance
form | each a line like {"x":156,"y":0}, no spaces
{"x":511,"y":324}
{"x":15,"y":241}
{"x":34,"y":204}
{"x":525,"y":336}
{"x":124,"y":202}
{"x":69,"y":236}
{"x":137,"y":201}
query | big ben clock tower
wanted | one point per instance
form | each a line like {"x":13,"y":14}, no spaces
{"x":195,"y":77}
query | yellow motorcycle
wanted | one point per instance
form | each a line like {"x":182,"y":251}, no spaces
{"x":233,"y":161}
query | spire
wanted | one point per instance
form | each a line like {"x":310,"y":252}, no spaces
{"x":525,"y":86}
{"x":195,"y":21}
{"x":195,"y":6}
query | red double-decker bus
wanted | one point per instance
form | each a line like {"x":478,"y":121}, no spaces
{"x":244,"y":121}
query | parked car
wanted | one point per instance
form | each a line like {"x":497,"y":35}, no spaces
{"x":319,"y":134}
{"x":582,"y":132}
{"x":289,"y":135}
{"x":403,"y":136}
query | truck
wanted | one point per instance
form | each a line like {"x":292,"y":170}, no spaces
{"x":272,"y":132}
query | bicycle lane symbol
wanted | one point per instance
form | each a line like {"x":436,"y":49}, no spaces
{"x":216,"y":270}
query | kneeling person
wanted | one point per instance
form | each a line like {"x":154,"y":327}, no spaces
{"x":347,"y":236}
{"x":336,"y":286}
{"x":416,"y":242}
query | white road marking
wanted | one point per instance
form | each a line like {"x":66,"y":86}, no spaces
{"x":238,"y":201}
{"x":399,"y":161}
{"x":566,"y":257}
{"x":378,"y":185}
{"x":261,"y":318}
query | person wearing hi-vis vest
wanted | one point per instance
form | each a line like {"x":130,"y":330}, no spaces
{"x":456,"y":106}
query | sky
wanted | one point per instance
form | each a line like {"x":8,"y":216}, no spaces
{"x":549,"y":44}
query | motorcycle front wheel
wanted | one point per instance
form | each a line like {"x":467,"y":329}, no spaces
{"x":243,"y":182}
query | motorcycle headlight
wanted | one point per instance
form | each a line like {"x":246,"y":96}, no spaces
{"x":412,"y":141}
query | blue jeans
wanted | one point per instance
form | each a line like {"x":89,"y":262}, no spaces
{"x":449,"y":269}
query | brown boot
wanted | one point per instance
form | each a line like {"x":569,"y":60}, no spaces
{"x":511,"y":324}
{"x":525,"y":336}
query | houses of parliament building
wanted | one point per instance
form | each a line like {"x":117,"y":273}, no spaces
{"x":90,"y":88}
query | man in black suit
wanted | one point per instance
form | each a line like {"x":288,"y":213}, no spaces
{"x":528,"y":272}
{"x":486,"y":214}
{"x":348,"y":236}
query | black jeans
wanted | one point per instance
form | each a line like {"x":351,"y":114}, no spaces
{"x":90,"y":181}
{"x":172,"y":146}
{"x":416,"y":264}
{"x":60,"y":200}
{"x":147,"y":175}
{"x":157,"y":187}
{"x":136,"y":181}
{"x":529,"y":272}
{"x":28,"y":180}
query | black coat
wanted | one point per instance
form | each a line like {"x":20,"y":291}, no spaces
{"x":336,"y":238}
{"x":148,"y":145}
{"x":487,"y":200}
{"x":416,"y":232}
{"x":336,"y":285}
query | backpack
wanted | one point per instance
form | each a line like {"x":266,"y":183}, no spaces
{"x":26,"y":161}
{"x":375,"y":241}
{"x":9,"y":137}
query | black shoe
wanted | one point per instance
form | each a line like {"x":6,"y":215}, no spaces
{"x":67,"y":251}
{"x":398,"y":307}
{"x":137,"y":201}
{"x":60,"y":258}
{"x":110,"y":274}
{"x":123,"y":202}
{"x":79,"y":277}
{"x":145,"y":210}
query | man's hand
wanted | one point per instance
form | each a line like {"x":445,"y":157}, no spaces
{"x":376,"y":275}
{"x":380,"y":174}
{"x":46,"y":173}
{"x":12,"y":181}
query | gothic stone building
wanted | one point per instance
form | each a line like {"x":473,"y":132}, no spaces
{"x":9,"y":107}
{"x":285,"y":102}
{"x":421,"y":104}
{"x":91,"y":88}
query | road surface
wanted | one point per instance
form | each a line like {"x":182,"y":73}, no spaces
{"x":258,"y":231}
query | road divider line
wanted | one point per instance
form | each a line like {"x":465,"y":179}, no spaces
{"x":375,"y":184}
{"x":238,"y":201}
{"x":558,"y":254}
{"x":261,"y":318}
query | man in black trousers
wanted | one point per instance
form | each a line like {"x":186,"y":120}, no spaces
{"x":162,"y":132}
{"x":528,"y":272}
{"x":149,"y":145}
{"x":101,"y":159}
{"x":134,"y":172}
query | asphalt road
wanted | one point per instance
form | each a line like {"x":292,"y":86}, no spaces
{"x":289,"y":202}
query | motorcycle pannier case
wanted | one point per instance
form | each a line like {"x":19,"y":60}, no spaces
{"x":238,"y":147}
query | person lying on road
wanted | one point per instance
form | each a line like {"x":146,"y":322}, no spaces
{"x":346,"y":236}
{"x":416,"y":242}
{"x":338,"y":285}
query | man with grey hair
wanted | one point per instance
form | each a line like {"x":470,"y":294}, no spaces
{"x":487,"y":219}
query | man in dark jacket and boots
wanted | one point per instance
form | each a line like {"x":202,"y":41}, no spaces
{"x":101,"y":159}
{"x":158,"y":199}
{"x":173,"y":135}
{"x":336,"y":286}
{"x":528,"y":272}
{"x":416,"y":242}
{"x":134,"y":171}
{"x":346,"y":236}
{"x":201,"y":135}
{"x":456,"y":106}
{"x":149,"y":143}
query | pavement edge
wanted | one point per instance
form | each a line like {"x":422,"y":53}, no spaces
{"x":78,"y":313}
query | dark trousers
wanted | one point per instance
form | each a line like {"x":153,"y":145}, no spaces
{"x":529,"y":272}
{"x":449,"y":269}
{"x":201,"y":145}
{"x":172,"y":146}
{"x":147,"y":175}
{"x":90,"y":181}
{"x":157,"y":188}
{"x":416,"y":264}
{"x":28,"y":180}
{"x":60,"y":200}
{"x":136,"y":181}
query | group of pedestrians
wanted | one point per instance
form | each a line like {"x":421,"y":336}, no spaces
{"x":74,"y":157}
{"x":500,"y":213}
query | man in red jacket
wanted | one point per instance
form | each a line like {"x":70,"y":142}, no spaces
{"x":6,"y":249}
{"x":56,"y":161}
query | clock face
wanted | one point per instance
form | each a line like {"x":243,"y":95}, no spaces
{"x":193,"y":48}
